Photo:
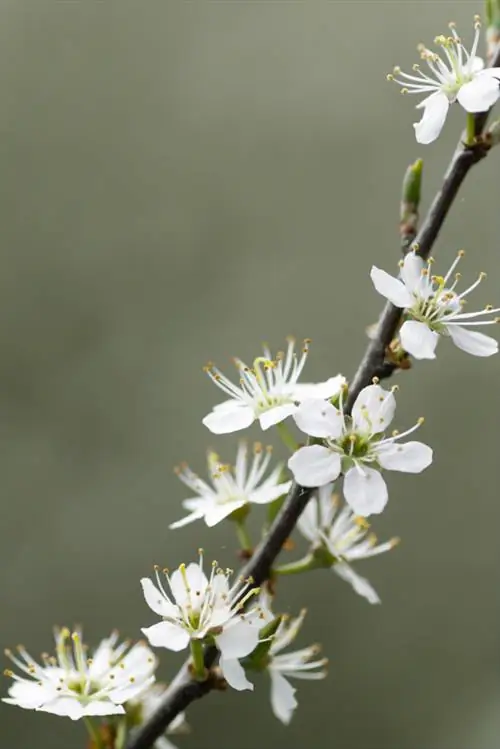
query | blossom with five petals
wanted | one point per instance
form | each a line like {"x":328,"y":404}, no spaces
{"x":269,"y":391}
{"x":343,"y":536}
{"x":461,"y":77}
{"x":434,"y":309}
{"x":231,"y":488}
{"x":74,"y":685}
{"x":355,"y":446}
{"x":204,"y":609}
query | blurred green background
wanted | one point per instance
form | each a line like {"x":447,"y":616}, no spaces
{"x":180,"y":181}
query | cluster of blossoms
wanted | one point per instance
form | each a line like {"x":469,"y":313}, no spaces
{"x":345,"y":443}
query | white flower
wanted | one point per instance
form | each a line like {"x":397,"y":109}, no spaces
{"x":141,"y":708}
{"x":461,"y":77}
{"x":344,"y":536}
{"x":299,"y":664}
{"x":434,"y":309}
{"x":74,"y":685}
{"x":356,"y":447}
{"x":232,"y":488}
{"x":198,"y":608}
{"x":268,"y":392}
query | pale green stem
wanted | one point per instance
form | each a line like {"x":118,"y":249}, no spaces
{"x":93,"y":732}
{"x":198,"y":660}
{"x":286,"y":437}
{"x":307,"y":563}
{"x":121,"y":733}
{"x":470,"y":130}
{"x":243,"y":536}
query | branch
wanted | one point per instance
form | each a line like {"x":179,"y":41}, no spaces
{"x":184,"y":690}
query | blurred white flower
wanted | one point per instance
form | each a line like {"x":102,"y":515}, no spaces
{"x":198,"y":608}
{"x":231,"y":488}
{"x":268,"y":391}
{"x":141,"y":708}
{"x":299,"y":664}
{"x":461,"y":77}
{"x":344,"y":536}
{"x":434,"y":308}
{"x":356,"y":447}
{"x":75,"y":685}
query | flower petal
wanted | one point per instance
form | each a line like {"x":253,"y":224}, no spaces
{"x":418,"y":339}
{"x":218,"y":512}
{"x":359,"y":584}
{"x":319,"y":419}
{"x":275,"y":415}
{"x":167,"y":635}
{"x":411,"y":457}
{"x":264,"y":495}
{"x":472,"y":342}
{"x":392,"y":288}
{"x":365,"y":491}
{"x":324,"y":390}
{"x":314,"y":465}
{"x":197,"y":515}
{"x":239,"y":638}
{"x":234,"y":674}
{"x":156,"y":600}
{"x":411,"y":272}
{"x":232,"y":417}
{"x":283,"y":701}
{"x":435,"y":110}
{"x":479,"y":94}
{"x":373,"y":409}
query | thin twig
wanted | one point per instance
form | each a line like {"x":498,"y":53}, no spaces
{"x":184,"y":690}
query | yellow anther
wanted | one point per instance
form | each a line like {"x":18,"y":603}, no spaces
{"x":395,"y":541}
{"x":375,"y":380}
{"x":420,"y":420}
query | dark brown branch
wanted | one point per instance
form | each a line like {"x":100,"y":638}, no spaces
{"x":184,"y":690}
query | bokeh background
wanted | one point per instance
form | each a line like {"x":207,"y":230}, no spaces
{"x":180,"y":181}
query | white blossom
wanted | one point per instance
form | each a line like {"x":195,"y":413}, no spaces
{"x":231,"y":488}
{"x":344,"y":536}
{"x":269,"y":391}
{"x":75,"y":685}
{"x":204,"y":609}
{"x":299,"y":664}
{"x":460,"y":76}
{"x":356,"y":447}
{"x":141,"y":708}
{"x":434,"y":308}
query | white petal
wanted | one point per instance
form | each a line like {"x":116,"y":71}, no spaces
{"x":435,"y":110}
{"x":219,"y":512}
{"x":392,"y":288}
{"x":268,"y":494}
{"x":166,"y":635}
{"x":156,"y":600}
{"x":480,"y":94}
{"x":472,"y":342}
{"x":197,"y":515}
{"x":231,"y":418}
{"x":418,"y":339}
{"x":319,"y":419}
{"x":411,"y":272}
{"x":314,"y":466}
{"x":411,"y":457}
{"x":105,"y":707}
{"x":275,"y":415}
{"x":234,"y":674}
{"x":71,"y":708}
{"x":283,"y":701}
{"x":477,"y":64}
{"x":360,"y":584}
{"x":239,"y":638}
{"x":373,"y":409}
{"x":365,"y":491}
{"x":29,"y":694}
{"x":324,"y":390}
{"x":308,"y":522}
